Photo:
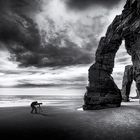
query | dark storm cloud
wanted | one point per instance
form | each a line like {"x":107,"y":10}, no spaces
{"x":21,"y":6}
{"x":21,"y":35}
{"x":54,"y":56}
{"x":83,"y":4}
{"x":19,"y":30}
{"x":16,"y":26}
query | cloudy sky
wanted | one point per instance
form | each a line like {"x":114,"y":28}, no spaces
{"x":52,"y":43}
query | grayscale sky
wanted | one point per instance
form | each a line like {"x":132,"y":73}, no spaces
{"x":53,"y":42}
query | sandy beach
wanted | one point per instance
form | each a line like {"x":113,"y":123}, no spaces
{"x":67,"y":122}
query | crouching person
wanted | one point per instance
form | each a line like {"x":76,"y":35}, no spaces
{"x":33,"y":106}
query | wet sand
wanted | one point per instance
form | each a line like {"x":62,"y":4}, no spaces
{"x":67,"y":123}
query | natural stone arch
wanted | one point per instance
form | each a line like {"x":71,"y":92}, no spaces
{"x":102,"y":92}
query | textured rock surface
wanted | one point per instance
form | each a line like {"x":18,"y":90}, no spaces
{"x":128,"y":78}
{"x":127,"y":82}
{"x":102,"y":92}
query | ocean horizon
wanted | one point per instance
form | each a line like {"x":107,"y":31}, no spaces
{"x":14,"y":97}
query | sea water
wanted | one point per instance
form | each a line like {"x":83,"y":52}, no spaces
{"x":13,"y":97}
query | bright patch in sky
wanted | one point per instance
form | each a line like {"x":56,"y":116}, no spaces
{"x":12,"y":75}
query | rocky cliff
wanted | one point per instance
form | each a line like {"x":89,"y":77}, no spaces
{"x":102,"y":92}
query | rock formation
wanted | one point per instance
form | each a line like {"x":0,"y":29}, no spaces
{"x":128,"y":78}
{"x":102,"y":92}
{"x":127,"y":82}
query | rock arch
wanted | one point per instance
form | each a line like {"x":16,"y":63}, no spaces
{"x":102,"y":92}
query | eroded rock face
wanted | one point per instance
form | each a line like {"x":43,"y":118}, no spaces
{"x":127,"y":82}
{"x":128,"y":78}
{"x":102,"y":92}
